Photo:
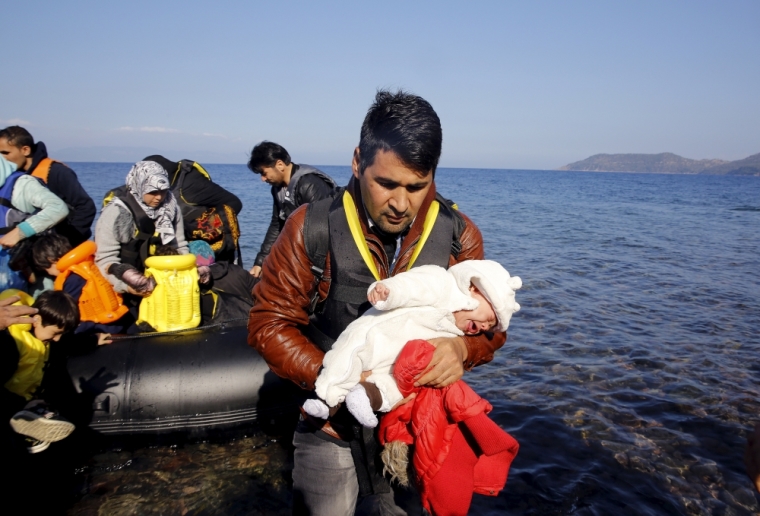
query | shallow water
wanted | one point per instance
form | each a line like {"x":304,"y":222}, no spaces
{"x":630,"y":377}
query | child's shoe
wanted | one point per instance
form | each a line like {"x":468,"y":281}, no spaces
{"x":37,"y":421}
{"x":35,"y":446}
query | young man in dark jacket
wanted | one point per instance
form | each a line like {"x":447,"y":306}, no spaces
{"x":292,"y":186}
{"x":392,"y":200}
{"x":17,"y":146}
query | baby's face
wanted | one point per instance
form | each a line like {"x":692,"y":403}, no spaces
{"x":472,"y":322}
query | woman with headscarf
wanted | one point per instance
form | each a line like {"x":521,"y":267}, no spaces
{"x":135,"y":219}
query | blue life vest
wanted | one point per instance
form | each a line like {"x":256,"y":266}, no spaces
{"x":10,"y":217}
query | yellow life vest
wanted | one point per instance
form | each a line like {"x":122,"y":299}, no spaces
{"x":33,"y":353}
{"x":175,"y":302}
{"x":354,"y":225}
{"x":99,"y":302}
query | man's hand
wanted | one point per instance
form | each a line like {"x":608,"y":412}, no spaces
{"x":11,"y":238}
{"x":446,"y":366}
{"x":752,"y":457}
{"x":404,"y":401}
{"x":138,"y":292}
{"x":104,"y":338}
{"x":14,"y":314}
{"x":379,"y":293}
{"x":255,"y":271}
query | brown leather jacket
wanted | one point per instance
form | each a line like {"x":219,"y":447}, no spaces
{"x":281,"y":298}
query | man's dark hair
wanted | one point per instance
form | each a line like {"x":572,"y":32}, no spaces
{"x":266,"y":154}
{"x":166,"y":250}
{"x":57,"y":308}
{"x":404,"y":124}
{"x":48,"y":249}
{"x":17,"y":136}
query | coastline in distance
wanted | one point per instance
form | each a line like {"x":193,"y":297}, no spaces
{"x":665,"y":163}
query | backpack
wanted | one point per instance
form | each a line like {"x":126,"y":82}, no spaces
{"x":218,"y":227}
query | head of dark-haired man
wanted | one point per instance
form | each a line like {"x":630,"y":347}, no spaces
{"x":17,"y":146}
{"x":272,"y":162}
{"x":396,"y":158}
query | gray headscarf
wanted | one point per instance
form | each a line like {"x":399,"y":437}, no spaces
{"x":149,"y":176}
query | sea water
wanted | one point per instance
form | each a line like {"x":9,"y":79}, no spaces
{"x":630,"y":378}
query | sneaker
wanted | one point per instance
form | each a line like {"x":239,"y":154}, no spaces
{"x":35,"y":446}
{"x":40,"y":423}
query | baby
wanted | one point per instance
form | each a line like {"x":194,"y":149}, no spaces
{"x":424,"y":303}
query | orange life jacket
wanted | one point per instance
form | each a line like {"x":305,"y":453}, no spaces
{"x":42,"y":170}
{"x":99,"y":302}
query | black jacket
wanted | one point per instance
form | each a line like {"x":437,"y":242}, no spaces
{"x":63,"y":182}
{"x":232,"y":296}
{"x":310,"y":188}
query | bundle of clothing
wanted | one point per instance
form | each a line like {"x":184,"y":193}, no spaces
{"x":457,"y":449}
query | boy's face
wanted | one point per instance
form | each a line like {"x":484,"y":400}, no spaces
{"x":49,"y":333}
{"x":17,"y":155}
{"x":483,"y":318}
{"x":53,"y":271}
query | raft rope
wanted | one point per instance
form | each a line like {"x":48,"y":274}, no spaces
{"x":173,"y":332}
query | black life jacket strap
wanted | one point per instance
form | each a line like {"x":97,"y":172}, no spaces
{"x":316,"y":239}
{"x":145,"y":224}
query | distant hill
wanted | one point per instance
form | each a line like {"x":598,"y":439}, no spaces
{"x":666,"y":163}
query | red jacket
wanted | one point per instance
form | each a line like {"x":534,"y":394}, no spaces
{"x":439,"y":423}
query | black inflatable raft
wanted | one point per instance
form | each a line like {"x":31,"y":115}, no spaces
{"x":196,"y":382}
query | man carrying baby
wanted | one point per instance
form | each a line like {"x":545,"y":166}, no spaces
{"x":387,"y":219}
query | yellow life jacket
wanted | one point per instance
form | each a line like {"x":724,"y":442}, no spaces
{"x":175,"y":302}
{"x":354,"y":225}
{"x":33,"y":353}
{"x":99,"y":302}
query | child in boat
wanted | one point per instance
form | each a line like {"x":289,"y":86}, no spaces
{"x":101,"y":309}
{"x":27,"y":208}
{"x":424,"y":303}
{"x":57,"y":315}
{"x":226,"y":288}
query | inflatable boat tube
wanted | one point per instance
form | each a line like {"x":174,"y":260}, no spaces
{"x":198,"y":382}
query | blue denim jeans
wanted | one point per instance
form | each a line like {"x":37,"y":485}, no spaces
{"x":324,"y":482}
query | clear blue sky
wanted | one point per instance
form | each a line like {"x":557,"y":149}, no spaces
{"x":527,"y":84}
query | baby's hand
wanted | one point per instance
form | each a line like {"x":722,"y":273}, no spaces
{"x":379,"y":293}
{"x":104,"y":338}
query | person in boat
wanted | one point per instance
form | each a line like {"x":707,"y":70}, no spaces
{"x":226,"y":288}
{"x":17,"y":145}
{"x":136,"y":218}
{"x":314,"y":284}
{"x":292,"y":186}
{"x":426,"y":302}
{"x":26,"y":349}
{"x":26,"y":209}
{"x":209,"y":212}
{"x":101,"y":309}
